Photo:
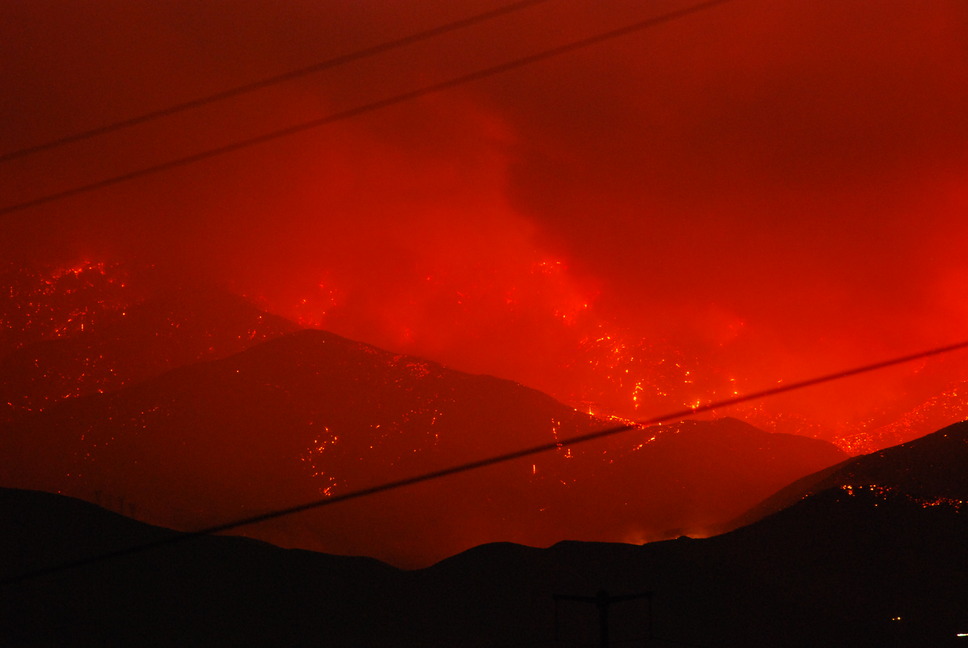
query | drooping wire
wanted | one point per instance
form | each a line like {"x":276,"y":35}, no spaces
{"x":367,"y":108}
{"x":274,"y":80}
{"x":481,"y":463}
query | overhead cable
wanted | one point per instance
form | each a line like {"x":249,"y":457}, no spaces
{"x":365,"y":108}
{"x":273,"y":80}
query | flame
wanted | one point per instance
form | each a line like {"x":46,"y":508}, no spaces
{"x":882,"y":493}
{"x":586,"y":362}
{"x":63,"y":301}
{"x":312,"y":455}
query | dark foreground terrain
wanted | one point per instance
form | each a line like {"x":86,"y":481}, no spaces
{"x":847,"y":566}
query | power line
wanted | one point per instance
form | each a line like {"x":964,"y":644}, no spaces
{"x":367,"y":108}
{"x":483,"y":463}
{"x":274,"y":80}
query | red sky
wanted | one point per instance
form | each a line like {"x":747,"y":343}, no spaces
{"x":765,"y":190}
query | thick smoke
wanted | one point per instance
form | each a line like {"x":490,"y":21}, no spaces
{"x":759,"y":192}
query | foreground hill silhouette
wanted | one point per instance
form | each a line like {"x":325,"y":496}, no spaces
{"x":311,"y":414}
{"x":204,"y":592}
{"x":933,"y":470}
{"x":838,"y":568}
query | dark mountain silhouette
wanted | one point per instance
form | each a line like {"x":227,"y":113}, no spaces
{"x":929,"y":470}
{"x":310,"y":414}
{"x":205,"y":591}
{"x":175,"y":327}
{"x":836,"y":569}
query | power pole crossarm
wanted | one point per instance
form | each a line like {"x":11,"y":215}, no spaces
{"x":602,"y":600}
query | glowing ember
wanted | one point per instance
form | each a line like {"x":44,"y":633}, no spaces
{"x":60,"y":302}
{"x":597,"y":367}
{"x":82,"y":330}
{"x":883,"y":493}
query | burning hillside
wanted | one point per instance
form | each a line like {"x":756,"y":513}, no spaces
{"x":95,"y":327}
{"x":72,"y":332}
{"x":189,"y":406}
{"x":59,"y":302}
{"x":311,"y":414}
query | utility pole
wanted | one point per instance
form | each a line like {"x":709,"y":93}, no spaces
{"x":602,"y":601}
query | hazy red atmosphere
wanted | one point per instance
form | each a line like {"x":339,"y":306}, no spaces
{"x":761,"y":191}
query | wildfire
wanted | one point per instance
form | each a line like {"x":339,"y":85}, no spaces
{"x":627,"y":375}
{"x":59,"y":302}
{"x":938,"y":411}
{"x":882,"y":493}
{"x":555,"y":433}
{"x":313,"y":310}
{"x":312,"y":455}
{"x":461,"y":316}
{"x":586,"y":361}
{"x":100,"y":332}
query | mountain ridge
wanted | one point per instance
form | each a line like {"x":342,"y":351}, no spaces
{"x":311,"y":413}
{"x":862,"y":569}
{"x":916,"y":468}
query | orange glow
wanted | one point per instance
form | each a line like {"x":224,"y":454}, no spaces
{"x":607,"y":373}
{"x":655,"y":223}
